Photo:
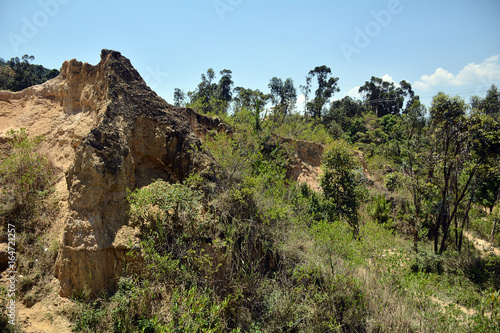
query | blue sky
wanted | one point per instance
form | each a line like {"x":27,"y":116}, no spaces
{"x":446,"y":45}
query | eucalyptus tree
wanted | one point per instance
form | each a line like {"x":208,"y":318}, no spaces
{"x":283,"y":95}
{"x":210,"y":96}
{"x":327,"y":87}
{"x":462,"y":150}
{"x":383,"y":97}
{"x":248,"y":98}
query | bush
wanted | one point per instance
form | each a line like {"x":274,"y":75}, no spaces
{"x":26,"y":184}
{"x":393,"y":181}
{"x":341,"y":183}
{"x":379,"y":209}
{"x":427,"y":263}
{"x":26,"y":177}
{"x":167,"y":212}
{"x":195,"y":311}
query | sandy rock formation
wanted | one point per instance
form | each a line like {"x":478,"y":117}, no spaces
{"x":305,"y":166}
{"x":106,"y":131}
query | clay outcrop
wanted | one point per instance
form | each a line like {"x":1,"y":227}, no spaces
{"x":107,"y":132}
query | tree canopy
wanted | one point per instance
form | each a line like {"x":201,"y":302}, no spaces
{"x":383,"y":97}
{"x":326,"y":88}
{"x":17,"y":74}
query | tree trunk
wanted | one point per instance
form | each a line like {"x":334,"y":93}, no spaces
{"x":416,"y":200}
{"x":495,"y":221}
{"x":465,"y":221}
{"x":461,"y":236}
{"x":437,"y":226}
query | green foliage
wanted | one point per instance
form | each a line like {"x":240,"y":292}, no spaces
{"x":427,"y":263}
{"x":488,"y":320}
{"x":336,"y":239}
{"x":343,"y":119}
{"x":258,"y":126}
{"x":315,"y":302}
{"x":283,"y":95}
{"x":194,"y":311}
{"x":327,"y":86}
{"x":303,"y":128}
{"x":393,"y":181}
{"x":210,"y":97}
{"x":179,"y":97}
{"x":340,"y":182}
{"x":490,"y":105}
{"x":486,"y":193}
{"x":379,"y":210}
{"x":17,"y":74}
{"x":248,"y":250}
{"x":89,"y":319}
{"x":25,"y":177}
{"x":248,"y":98}
{"x":383,"y":98}
{"x":232,"y":157}
{"x":165,"y":211}
{"x":28,"y":207}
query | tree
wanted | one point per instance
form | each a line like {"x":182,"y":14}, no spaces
{"x":283,"y":95}
{"x":6,"y":75}
{"x":224,"y":87}
{"x":340,"y":182}
{"x":306,"y":90}
{"x":383,"y":97}
{"x":344,"y":113}
{"x":210,"y":96}
{"x":179,"y":97}
{"x":408,"y":92}
{"x":413,"y":158}
{"x":487,"y":191}
{"x":248,"y":98}
{"x":17,"y":74}
{"x":327,"y":86}
{"x":462,"y":149}
{"x":490,"y":105}
{"x":204,"y":91}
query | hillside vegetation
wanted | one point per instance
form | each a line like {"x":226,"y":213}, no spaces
{"x":381,"y":247}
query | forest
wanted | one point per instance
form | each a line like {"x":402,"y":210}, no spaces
{"x":387,"y":243}
{"x":17,"y":74}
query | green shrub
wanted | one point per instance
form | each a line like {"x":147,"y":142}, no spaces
{"x":26,"y":177}
{"x":167,"y":212}
{"x":393,"y":181}
{"x":380,"y":210}
{"x":336,"y":240}
{"x":428,"y":263}
{"x":194,"y":310}
{"x":340,"y":182}
{"x":89,"y":319}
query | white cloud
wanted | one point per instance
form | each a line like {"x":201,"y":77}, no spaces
{"x":387,"y":78}
{"x":354,"y":93}
{"x":299,"y":105}
{"x":484,"y":73}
